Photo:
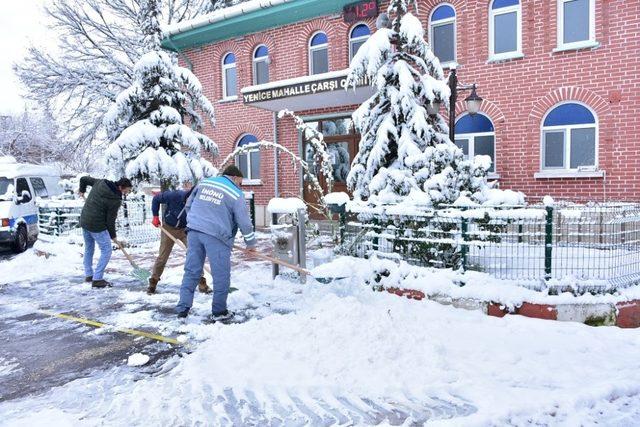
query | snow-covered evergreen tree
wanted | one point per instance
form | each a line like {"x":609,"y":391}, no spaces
{"x":405,"y":154}
{"x":154,"y":124}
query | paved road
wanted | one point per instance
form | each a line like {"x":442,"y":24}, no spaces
{"x":38,"y":352}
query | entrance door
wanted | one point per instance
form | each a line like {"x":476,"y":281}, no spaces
{"x":342,"y":146}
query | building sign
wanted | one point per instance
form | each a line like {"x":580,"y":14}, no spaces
{"x":361,"y":10}
{"x":299,"y":89}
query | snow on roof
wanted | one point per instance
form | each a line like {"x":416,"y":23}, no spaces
{"x":9,"y":168}
{"x":220,"y":15}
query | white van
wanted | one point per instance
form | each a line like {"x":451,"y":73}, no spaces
{"x":21,"y":185}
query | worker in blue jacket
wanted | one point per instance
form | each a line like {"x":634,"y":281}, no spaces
{"x":174,"y":221}
{"x":216,"y":209}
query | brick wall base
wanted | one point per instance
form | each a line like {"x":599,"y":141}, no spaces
{"x":623,"y":314}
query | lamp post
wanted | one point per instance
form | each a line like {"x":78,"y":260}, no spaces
{"x":473,"y":101}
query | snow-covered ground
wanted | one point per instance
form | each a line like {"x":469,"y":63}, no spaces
{"x":323,"y":354}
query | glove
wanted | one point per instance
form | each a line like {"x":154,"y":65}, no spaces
{"x":156,"y":221}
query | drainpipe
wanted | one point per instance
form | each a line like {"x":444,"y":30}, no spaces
{"x":275,"y":154}
{"x":180,"y":53}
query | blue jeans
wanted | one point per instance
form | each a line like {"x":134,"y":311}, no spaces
{"x":104,"y":244}
{"x":199,"y":246}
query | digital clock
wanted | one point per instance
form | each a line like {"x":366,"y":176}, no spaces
{"x":361,"y":10}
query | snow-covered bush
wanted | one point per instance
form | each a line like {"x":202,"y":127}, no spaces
{"x":154,"y":124}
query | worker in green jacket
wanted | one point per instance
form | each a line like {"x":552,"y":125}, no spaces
{"x":98,"y":222}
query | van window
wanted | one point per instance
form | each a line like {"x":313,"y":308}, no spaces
{"x":39,"y":188}
{"x":4,"y":186}
{"x":21,"y":185}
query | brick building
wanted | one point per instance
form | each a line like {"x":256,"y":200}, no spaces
{"x":558,"y":79}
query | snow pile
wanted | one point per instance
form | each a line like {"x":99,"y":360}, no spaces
{"x":289,"y":205}
{"x":63,"y":259}
{"x":448,"y":284}
{"x":138,"y":359}
{"x":363,"y":345}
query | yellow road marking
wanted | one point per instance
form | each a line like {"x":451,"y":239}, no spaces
{"x":97,"y":324}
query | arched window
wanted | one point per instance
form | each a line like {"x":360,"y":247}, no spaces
{"x":358,"y":36}
{"x":569,"y":138}
{"x":229,"y":76}
{"x":319,"y":54}
{"x":442,"y":30}
{"x":476,"y":136}
{"x":505,"y":29}
{"x":261,"y":65}
{"x":249,"y":161}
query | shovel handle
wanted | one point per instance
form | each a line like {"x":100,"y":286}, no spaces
{"x":274,"y":260}
{"x":179,"y":243}
{"x":131,"y":261}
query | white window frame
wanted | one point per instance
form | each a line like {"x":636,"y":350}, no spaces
{"x":591,"y":42}
{"x":315,"y":48}
{"x":353,"y":40}
{"x":249,"y":179}
{"x":567,"y":142}
{"x":441,"y":22}
{"x":471,"y":138}
{"x":255,"y":62}
{"x":492,"y":15}
{"x":226,"y":67}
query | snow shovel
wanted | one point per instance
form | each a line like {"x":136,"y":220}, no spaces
{"x":138,"y":273}
{"x":324,"y":280}
{"x":179,"y":243}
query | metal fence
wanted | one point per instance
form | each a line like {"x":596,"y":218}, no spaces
{"x":133,"y":225}
{"x":589,"y":248}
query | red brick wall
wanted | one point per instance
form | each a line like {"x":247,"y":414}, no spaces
{"x":517,"y":92}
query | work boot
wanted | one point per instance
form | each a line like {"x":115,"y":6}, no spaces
{"x":202,"y":286}
{"x":222,"y":316}
{"x":153,"y":282}
{"x":88,"y":279}
{"x":100,"y":284}
{"x":183,"y":314}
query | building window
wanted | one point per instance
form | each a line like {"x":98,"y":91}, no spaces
{"x":261,"y":65}
{"x":249,"y":161}
{"x":569,"y":138}
{"x":475,"y":136}
{"x":229,"y":76}
{"x":319,"y":54}
{"x":505,"y":29}
{"x":359,"y":35}
{"x":576,"y":23}
{"x":443,"y":33}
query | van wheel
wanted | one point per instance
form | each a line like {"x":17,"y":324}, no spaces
{"x":22,"y":240}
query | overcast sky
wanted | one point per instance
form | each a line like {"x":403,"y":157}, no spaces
{"x":21,"y":23}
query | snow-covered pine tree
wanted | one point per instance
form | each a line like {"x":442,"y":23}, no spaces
{"x":146,"y":124}
{"x":405,"y":154}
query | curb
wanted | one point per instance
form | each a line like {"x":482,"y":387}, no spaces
{"x":624,"y":314}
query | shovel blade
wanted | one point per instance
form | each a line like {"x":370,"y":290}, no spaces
{"x":141,"y":274}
